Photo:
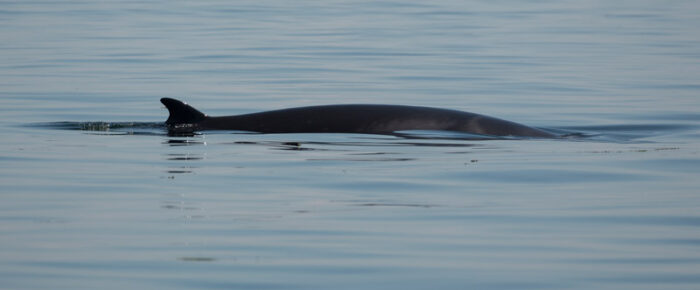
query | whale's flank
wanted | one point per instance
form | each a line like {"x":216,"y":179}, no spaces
{"x":365,"y":119}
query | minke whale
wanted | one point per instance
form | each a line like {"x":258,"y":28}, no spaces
{"x":361,"y":118}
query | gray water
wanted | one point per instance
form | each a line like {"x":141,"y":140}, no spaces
{"x":91,"y":200}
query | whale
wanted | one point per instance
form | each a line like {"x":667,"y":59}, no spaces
{"x":346,"y":118}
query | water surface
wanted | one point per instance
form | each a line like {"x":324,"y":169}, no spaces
{"x":97,"y":195}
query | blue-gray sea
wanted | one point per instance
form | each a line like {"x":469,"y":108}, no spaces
{"x":94,"y":194}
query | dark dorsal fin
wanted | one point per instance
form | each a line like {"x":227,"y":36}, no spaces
{"x":181,"y":113}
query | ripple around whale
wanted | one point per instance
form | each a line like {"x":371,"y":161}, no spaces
{"x":107,"y":128}
{"x":185,"y":121}
{"x":600,"y":133}
{"x":161,"y":129}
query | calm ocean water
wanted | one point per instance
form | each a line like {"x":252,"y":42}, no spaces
{"x":92,"y":201}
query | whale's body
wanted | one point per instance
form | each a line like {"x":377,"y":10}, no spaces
{"x":364,"y":119}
